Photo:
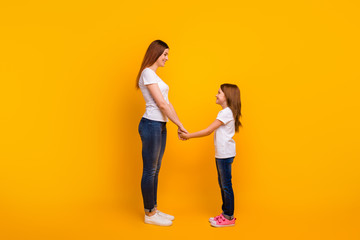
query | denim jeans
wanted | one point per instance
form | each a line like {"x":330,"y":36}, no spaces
{"x":153,"y":137}
{"x":223,"y":166}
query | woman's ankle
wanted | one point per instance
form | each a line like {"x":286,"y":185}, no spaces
{"x":149,"y":214}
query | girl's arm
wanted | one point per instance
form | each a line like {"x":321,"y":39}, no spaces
{"x":207,"y":131}
{"x":165,"y":108}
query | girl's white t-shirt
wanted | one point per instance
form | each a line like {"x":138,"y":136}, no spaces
{"x":224,"y":144}
{"x":152,"y":111}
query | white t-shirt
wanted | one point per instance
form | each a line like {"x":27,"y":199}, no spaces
{"x":152,"y":111}
{"x":224,"y":144}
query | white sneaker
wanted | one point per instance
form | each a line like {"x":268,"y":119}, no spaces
{"x":167,"y":216}
{"x":156,"y":219}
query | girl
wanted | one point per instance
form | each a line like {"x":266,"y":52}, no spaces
{"x":225,"y":126}
{"x":152,"y":128}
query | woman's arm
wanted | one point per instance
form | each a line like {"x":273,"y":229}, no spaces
{"x":165,"y":108}
{"x":207,"y":131}
{"x":180,"y":129}
{"x":174,"y":112}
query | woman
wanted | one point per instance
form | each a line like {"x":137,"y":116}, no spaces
{"x":152,"y":128}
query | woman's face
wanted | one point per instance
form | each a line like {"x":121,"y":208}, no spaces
{"x":220,"y":97}
{"x":163,"y":58}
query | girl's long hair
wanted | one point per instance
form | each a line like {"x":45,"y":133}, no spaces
{"x":154,"y":51}
{"x":232,"y":95}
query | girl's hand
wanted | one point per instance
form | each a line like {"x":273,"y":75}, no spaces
{"x":184,"y":135}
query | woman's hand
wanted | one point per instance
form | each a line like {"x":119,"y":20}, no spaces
{"x":181,"y":129}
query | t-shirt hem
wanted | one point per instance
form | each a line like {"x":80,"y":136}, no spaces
{"x":158,"y":120}
{"x":220,"y":157}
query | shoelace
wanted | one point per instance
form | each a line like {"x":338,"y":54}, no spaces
{"x":216,"y":218}
{"x":219,"y":218}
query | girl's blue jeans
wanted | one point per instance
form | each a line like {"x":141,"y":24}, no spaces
{"x":223,"y":166}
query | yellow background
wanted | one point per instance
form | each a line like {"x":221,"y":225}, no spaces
{"x":70,"y":150}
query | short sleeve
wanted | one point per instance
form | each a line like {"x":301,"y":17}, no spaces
{"x":148,"y":77}
{"x":225,"y":115}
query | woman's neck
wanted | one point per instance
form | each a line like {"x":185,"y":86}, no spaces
{"x":154,"y":67}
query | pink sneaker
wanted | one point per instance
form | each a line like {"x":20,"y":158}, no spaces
{"x":221,"y":221}
{"x":212,"y":219}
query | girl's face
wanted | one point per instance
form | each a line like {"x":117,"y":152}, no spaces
{"x":220,"y":97}
{"x":163,"y":58}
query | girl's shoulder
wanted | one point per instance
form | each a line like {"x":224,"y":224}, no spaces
{"x":225,"y":115}
{"x":225,"y":110}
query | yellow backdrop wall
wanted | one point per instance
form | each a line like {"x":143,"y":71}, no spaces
{"x":71,"y":154}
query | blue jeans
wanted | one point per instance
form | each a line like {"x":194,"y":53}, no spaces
{"x":223,"y":166}
{"x":153,"y":137}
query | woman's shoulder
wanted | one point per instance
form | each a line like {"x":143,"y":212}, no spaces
{"x":148,"y":71}
{"x":148,"y":76}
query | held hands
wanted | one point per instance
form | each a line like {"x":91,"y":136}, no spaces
{"x":184,"y":136}
{"x":182,"y":133}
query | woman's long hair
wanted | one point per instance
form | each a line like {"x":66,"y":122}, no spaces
{"x":154,"y":51}
{"x":232,"y":95}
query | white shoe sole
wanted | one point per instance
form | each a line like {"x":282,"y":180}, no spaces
{"x":158,"y":224}
{"x":230,"y":225}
